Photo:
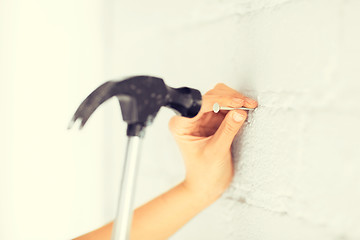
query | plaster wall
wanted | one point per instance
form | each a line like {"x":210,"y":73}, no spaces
{"x":297,"y":157}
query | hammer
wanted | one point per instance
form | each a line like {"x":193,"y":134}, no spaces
{"x":140,"y":98}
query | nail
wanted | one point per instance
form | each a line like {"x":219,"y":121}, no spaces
{"x":217,"y":108}
{"x":250,"y":101}
{"x":237,"y":101}
{"x":238,"y":117}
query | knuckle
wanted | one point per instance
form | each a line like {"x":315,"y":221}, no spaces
{"x":237,"y":94}
{"x":210,"y":92}
{"x":236,"y":101}
{"x":220,"y":85}
{"x":205,"y":98}
{"x":172,"y":123}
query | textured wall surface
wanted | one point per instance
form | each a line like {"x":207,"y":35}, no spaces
{"x":297,"y":159}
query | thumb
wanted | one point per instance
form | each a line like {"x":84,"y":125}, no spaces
{"x":229,"y":127}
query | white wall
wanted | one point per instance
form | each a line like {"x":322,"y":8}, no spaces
{"x":297,"y":158}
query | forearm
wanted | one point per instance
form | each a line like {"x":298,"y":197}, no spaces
{"x":161,"y":217}
{"x":164,"y":215}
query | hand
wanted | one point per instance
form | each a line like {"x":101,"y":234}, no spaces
{"x":205,"y":141}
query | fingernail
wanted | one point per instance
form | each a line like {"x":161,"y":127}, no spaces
{"x":238,"y":117}
{"x":250,"y":101}
{"x":237,"y":101}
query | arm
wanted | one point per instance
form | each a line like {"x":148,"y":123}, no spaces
{"x":164,"y":215}
{"x":161,"y":217}
{"x":205,"y":144}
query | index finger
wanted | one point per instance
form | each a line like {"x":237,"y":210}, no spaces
{"x":222,"y":89}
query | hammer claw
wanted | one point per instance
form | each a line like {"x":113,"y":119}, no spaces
{"x":92,"y":102}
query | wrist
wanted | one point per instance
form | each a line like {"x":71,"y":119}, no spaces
{"x":201,"y":195}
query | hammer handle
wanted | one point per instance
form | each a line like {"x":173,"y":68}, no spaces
{"x":185,"y":101}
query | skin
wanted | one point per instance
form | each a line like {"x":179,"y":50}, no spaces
{"x":205,"y":144}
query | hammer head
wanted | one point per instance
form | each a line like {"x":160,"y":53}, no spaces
{"x":140,"y":99}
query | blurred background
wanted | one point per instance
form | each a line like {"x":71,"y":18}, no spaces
{"x":297,"y":158}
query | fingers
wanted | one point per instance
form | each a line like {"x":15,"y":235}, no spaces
{"x":221,"y":94}
{"x":226,"y":97}
{"x":222,"y":89}
{"x":224,"y":100}
{"x":229,"y":127}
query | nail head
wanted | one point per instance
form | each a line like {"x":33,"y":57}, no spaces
{"x":216,"y":108}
